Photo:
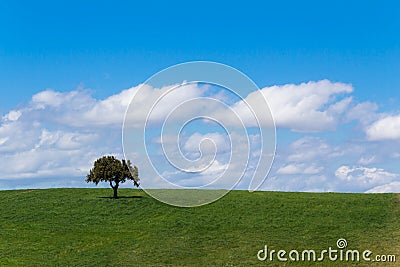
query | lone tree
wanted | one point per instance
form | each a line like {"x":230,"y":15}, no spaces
{"x":112,"y":170}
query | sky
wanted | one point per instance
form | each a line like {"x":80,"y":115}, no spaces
{"x":330,"y":71}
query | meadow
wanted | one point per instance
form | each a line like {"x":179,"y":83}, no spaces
{"x":86,"y":227}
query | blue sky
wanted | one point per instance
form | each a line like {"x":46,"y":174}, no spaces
{"x":101,"y":49}
{"x":116,"y":44}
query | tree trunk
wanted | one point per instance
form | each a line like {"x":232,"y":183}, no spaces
{"x":115,"y":188}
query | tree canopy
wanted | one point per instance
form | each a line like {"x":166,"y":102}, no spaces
{"x":112,"y":170}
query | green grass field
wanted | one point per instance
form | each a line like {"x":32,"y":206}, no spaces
{"x":83,"y":227}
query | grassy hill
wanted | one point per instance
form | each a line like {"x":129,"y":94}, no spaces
{"x":83,"y":227}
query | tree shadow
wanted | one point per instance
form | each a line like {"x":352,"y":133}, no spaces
{"x":110,"y":197}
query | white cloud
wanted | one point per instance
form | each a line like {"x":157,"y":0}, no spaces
{"x":216,"y":157}
{"x":57,"y":154}
{"x":365,"y":178}
{"x":18,"y":136}
{"x":59,"y":134}
{"x":65,"y":140}
{"x":300,"y":169}
{"x":367,"y":160}
{"x":198,"y":142}
{"x":3,"y":140}
{"x":310,"y":148}
{"x":13,"y":115}
{"x":38,"y":142}
{"x":309,"y":183}
{"x":211,"y":171}
{"x":79,"y":109}
{"x":386,"y":128}
{"x":110,"y":111}
{"x":307,"y":107}
{"x":393,"y":187}
{"x":364,"y":112}
{"x":153,"y":105}
{"x":314,"y":164}
{"x":50,"y":98}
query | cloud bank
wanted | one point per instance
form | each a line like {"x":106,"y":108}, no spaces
{"x":335,"y":143}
